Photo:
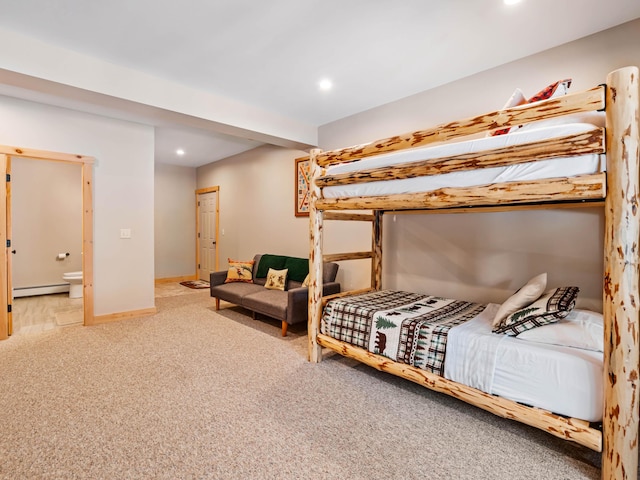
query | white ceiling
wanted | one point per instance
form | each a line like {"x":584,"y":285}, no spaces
{"x":271,"y":54}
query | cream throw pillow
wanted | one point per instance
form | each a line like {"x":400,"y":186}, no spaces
{"x":276,"y":279}
{"x":523,"y":297}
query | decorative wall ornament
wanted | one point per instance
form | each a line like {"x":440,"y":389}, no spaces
{"x":302,"y":193}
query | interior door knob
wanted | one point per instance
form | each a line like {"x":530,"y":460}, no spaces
{"x":13,"y":251}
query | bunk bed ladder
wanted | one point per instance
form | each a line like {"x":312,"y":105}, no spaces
{"x":316,"y":301}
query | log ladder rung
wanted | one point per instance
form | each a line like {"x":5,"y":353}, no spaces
{"x":338,"y":257}
{"x":361,"y":217}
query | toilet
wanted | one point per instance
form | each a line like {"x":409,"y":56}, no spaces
{"x":75,"y":281}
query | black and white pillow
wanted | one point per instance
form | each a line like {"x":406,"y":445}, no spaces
{"x":549,"y":308}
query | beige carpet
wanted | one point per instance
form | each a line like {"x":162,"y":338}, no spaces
{"x":192,"y":394}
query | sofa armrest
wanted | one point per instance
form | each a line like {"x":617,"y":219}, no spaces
{"x":217,"y":278}
{"x":298,"y":301}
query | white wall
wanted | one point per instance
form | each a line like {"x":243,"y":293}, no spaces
{"x":175,"y":221}
{"x":123,"y":192}
{"x":485,"y":257}
{"x":46,"y":219}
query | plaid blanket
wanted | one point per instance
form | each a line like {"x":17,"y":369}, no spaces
{"x":406,"y":327}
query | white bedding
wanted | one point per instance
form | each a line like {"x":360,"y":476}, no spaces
{"x":563,"y":380}
{"x":565,"y":167}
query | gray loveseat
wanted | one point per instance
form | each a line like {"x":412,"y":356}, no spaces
{"x":289,"y":306}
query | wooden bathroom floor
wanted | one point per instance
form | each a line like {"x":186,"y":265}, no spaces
{"x":45,"y":312}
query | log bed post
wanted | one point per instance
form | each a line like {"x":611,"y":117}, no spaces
{"x":315,"y":261}
{"x":376,"y":250}
{"x":620,"y":293}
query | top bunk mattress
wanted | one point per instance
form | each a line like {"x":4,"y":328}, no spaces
{"x":537,"y":170}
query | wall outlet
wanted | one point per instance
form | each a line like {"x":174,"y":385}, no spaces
{"x":125,"y":233}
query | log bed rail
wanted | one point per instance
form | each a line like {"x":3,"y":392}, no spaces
{"x":617,"y":189}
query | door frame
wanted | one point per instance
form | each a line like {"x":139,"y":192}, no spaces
{"x":201,"y":191}
{"x":6,"y":152}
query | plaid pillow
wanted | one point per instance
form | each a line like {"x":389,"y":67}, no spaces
{"x":524,"y":297}
{"x":556,"y":89}
{"x":549,"y":308}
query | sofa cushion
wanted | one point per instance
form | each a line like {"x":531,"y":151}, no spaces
{"x":240,"y":271}
{"x":268,"y":261}
{"x":234,"y":292}
{"x":276,"y":279}
{"x":272,"y":303}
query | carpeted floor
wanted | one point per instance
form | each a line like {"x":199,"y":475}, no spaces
{"x":189,"y":393}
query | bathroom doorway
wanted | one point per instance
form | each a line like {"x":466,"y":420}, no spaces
{"x":207,"y":210}
{"x":46,"y":244}
{"x":6,"y":274}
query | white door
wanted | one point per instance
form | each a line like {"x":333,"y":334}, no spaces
{"x":207,"y":211}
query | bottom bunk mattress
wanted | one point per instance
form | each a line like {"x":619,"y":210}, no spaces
{"x":453,"y":339}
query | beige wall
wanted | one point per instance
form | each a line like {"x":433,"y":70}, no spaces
{"x":123,"y":191}
{"x":256,"y":203}
{"x":257,"y":212}
{"x":46,"y":201}
{"x":586,"y":61}
{"x":175,"y":221}
{"x":485,"y":257}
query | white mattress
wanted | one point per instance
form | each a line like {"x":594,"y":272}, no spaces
{"x":563,"y":380}
{"x":565,"y":167}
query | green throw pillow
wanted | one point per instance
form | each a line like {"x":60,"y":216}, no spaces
{"x":298,"y":268}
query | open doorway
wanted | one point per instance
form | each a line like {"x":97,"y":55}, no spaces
{"x":6,"y":267}
{"x":207,"y":213}
{"x":46,"y":244}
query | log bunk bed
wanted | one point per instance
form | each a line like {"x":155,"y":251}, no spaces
{"x":616,"y":189}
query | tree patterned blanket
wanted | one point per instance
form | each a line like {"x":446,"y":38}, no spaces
{"x":406,"y":327}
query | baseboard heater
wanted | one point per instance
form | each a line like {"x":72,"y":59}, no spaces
{"x":40,"y":290}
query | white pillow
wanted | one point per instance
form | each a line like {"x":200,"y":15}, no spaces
{"x":580,"y":329}
{"x":556,"y":89}
{"x":523,"y":297}
{"x":516,"y":98}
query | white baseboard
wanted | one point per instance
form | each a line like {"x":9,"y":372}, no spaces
{"x":41,"y":290}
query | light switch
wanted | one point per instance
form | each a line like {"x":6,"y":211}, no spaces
{"x":125,"y":233}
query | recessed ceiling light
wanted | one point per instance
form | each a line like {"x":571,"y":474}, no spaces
{"x":180,"y":151}
{"x":325,"y":84}
{"x":511,"y":2}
